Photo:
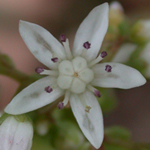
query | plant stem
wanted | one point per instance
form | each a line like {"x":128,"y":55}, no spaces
{"x":13,"y":73}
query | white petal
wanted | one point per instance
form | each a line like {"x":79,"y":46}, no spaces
{"x":121,"y":76}
{"x":90,"y":123}
{"x":41,"y":43}
{"x":23,"y":136}
{"x":34,"y":97}
{"x":124,"y":53}
{"x":7,"y":132}
{"x":93,"y":30}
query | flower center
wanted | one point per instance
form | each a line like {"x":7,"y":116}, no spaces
{"x":74,"y":75}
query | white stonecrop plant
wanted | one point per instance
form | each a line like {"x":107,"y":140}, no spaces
{"x":74,"y":73}
{"x":15,"y":135}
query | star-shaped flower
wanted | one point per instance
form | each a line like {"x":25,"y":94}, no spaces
{"x":74,"y":73}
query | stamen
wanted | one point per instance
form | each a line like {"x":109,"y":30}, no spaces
{"x":108,"y":68}
{"x":97,"y":93}
{"x":49,"y":72}
{"x":63,"y":38}
{"x":55,"y":59}
{"x":98,"y":59}
{"x":87,"y":45}
{"x":95,"y":61}
{"x":67,"y":49}
{"x":39,"y":70}
{"x":67,"y":97}
{"x":60,"y":105}
{"x":103,"y":54}
{"x":87,"y":108}
{"x":94,"y":90}
{"x":48,"y":89}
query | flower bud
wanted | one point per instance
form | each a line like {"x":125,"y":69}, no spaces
{"x":15,"y":134}
{"x":116,"y":18}
{"x":116,"y":14}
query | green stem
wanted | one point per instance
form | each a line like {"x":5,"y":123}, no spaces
{"x":13,"y":73}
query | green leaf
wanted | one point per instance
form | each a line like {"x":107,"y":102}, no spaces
{"x":6,"y":61}
{"x":63,"y":115}
{"x":41,"y":143}
{"x":65,"y":135}
{"x":118,"y":132}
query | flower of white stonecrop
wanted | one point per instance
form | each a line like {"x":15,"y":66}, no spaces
{"x":15,"y":134}
{"x":74,"y":74}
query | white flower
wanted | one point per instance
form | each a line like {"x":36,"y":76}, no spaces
{"x":74,"y":73}
{"x":15,"y":135}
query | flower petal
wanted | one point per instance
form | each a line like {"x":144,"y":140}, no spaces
{"x":34,"y":96}
{"x":91,"y":123}
{"x":124,"y":53}
{"x":121,"y":76}
{"x":41,"y":43}
{"x":93,"y":30}
{"x":7,"y":131}
{"x":23,"y":136}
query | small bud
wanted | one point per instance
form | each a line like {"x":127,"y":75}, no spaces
{"x":108,"y":68}
{"x":39,"y":70}
{"x":60,"y":105}
{"x":48,"y":89}
{"x":55,"y":59}
{"x":63,"y":38}
{"x":103,"y":54}
{"x":87,"y":45}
